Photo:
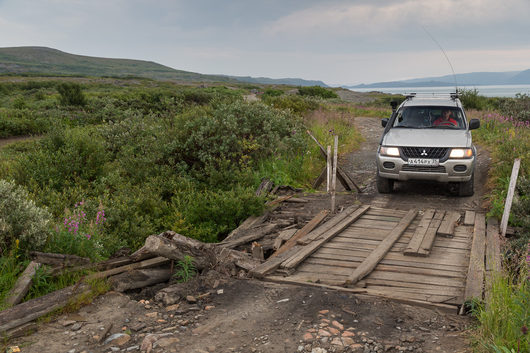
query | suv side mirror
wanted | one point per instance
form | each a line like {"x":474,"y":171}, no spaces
{"x":474,"y":124}
{"x":384,"y":121}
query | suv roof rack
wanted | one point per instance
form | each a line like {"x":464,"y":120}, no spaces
{"x":452,"y":95}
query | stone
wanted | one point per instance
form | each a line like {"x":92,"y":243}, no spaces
{"x":191,"y":299}
{"x":347,"y":341}
{"x":209,"y":307}
{"x":333,"y":331}
{"x":348,"y":334}
{"x":76,"y":326}
{"x":118,"y":339}
{"x":337,"y":325}
{"x":323,"y":312}
{"x":307,"y":337}
{"x":356,"y":347}
{"x":173,"y":307}
{"x":147,"y":343}
{"x":336,"y":342}
{"x":210,"y":349}
{"x":323,"y":333}
{"x":220,"y":291}
{"x":67,"y":322}
{"x":115,"y":349}
{"x":318,"y":350}
{"x":138,"y":326}
{"x":133,"y":348}
{"x":152,"y":314}
{"x":167,"y":341}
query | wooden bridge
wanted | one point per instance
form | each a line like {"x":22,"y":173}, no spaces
{"x":430,"y":257}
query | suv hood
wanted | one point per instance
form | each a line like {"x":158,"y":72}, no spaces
{"x":427,"y":138}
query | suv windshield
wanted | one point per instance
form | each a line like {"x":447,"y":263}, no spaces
{"x":426,"y":117}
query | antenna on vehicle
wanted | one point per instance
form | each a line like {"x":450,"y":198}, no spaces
{"x":446,"y":57}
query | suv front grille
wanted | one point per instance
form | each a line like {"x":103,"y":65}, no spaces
{"x":423,"y":169}
{"x":425,"y":152}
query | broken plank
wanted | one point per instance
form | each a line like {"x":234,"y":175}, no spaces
{"x":278,"y":200}
{"x":306,"y":229}
{"x":255,"y":234}
{"x":475,"y":274}
{"x":310,"y":248}
{"x":447,"y":228}
{"x":23,"y":284}
{"x":415,"y":242}
{"x":284,"y":236}
{"x":248,"y":223}
{"x":469,"y":218}
{"x":430,"y":236}
{"x":379,"y":253}
{"x":157,"y":261}
{"x":327,"y":226}
{"x":272,"y":263}
{"x":509,"y":196}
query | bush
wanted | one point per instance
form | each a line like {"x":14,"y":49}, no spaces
{"x":71,"y":94}
{"x":21,"y":221}
{"x":270,"y":92}
{"x":518,"y":107}
{"x":317,"y":91}
{"x":296,"y":104}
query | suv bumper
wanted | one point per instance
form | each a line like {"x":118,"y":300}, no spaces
{"x":452,"y":170}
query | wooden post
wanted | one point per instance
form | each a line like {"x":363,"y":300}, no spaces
{"x":334,"y":173}
{"x":509,"y":196}
{"x":328,"y":166}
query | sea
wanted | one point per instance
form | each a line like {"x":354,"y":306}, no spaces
{"x":488,"y":91}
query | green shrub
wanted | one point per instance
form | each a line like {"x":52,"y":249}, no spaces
{"x":317,"y":91}
{"x":296,"y":104}
{"x":518,"y":107}
{"x":21,"y":221}
{"x":271,"y":92}
{"x":71,"y":94}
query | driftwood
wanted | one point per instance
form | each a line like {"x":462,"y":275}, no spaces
{"x":58,"y":260}
{"x":139,"y":278}
{"x":23,"y":284}
{"x":174,"y":246}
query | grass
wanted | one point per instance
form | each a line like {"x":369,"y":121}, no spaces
{"x":503,"y":325}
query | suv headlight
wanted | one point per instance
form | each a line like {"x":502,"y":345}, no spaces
{"x":389,"y":151}
{"x":461,"y":153}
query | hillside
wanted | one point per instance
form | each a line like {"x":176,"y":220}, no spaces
{"x":53,"y":62}
{"x":466,"y":79}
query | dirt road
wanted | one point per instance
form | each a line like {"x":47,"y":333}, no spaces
{"x":213,"y":313}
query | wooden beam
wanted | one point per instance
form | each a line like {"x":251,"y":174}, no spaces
{"x":493,"y":247}
{"x":428,"y":240}
{"x":302,"y":232}
{"x":23,"y":284}
{"x":156,"y":261}
{"x":58,"y":259}
{"x":139,"y":278}
{"x":307,"y":250}
{"x":509,"y":196}
{"x":334,"y":173}
{"x":318,"y":181}
{"x":380,"y":251}
{"x":255,"y":234}
{"x":273,"y":263}
{"x":447,"y":228}
{"x":284,"y":236}
{"x":475,"y":273}
{"x":415,"y":242}
{"x":469,"y":218}
{"x":327,"y":226}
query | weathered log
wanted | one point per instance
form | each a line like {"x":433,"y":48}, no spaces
{"x":174,"y":246}
{"x":59,"y":259}
{"x":139,"y":278}
{"x":23,"y":284}
{"x":251,"y":235}
{"x":32,"y":309}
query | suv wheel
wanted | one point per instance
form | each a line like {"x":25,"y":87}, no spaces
{"x":466,"y":188}
{"x":384,"y":185}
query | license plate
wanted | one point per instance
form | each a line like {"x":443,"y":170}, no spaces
{"x":424,"y":162}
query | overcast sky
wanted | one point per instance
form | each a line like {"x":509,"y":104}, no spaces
{"x":339,"y":42}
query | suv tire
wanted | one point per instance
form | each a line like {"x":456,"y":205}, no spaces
{"x":466,"y":188}
{"x":384,"y":185}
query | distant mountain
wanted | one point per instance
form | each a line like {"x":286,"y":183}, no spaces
{"x":467,"y":79}
{"x":53,"y":62}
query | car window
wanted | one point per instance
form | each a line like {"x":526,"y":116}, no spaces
{"x":426,"y":117}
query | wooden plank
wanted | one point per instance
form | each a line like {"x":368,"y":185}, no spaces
{"x":284,"y":236}
{"x":306,"y":229}
{"x":279,"y":200}
{"x":255,"y":234}
{"x":157,"y":261}
{"x":307,"y":250}
{"x":334,"y":172}
{"x":475,"y":274}
{"x":377,"y":255}
{"x":400,"y":244}
{"x":319,"y":256}
{"x":320,"y":179}
{"x":273,"y":263}
{"x":415,"y":242}
{"x":469,"y":218}
{"x":21,"y":287}
{"x":58,"y":259}
{"x":248,"y":223}
{"x":405,"y":300}
{"x":509,"y":196}
{"x":447,"y":228}
{"x":390,"y":268}
{"x":493,"y":252}
{"x":327,"y":226}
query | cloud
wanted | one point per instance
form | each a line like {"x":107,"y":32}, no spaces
{"x":354,"y":20}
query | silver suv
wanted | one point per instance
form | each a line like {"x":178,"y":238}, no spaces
{"x":427,"y":138}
